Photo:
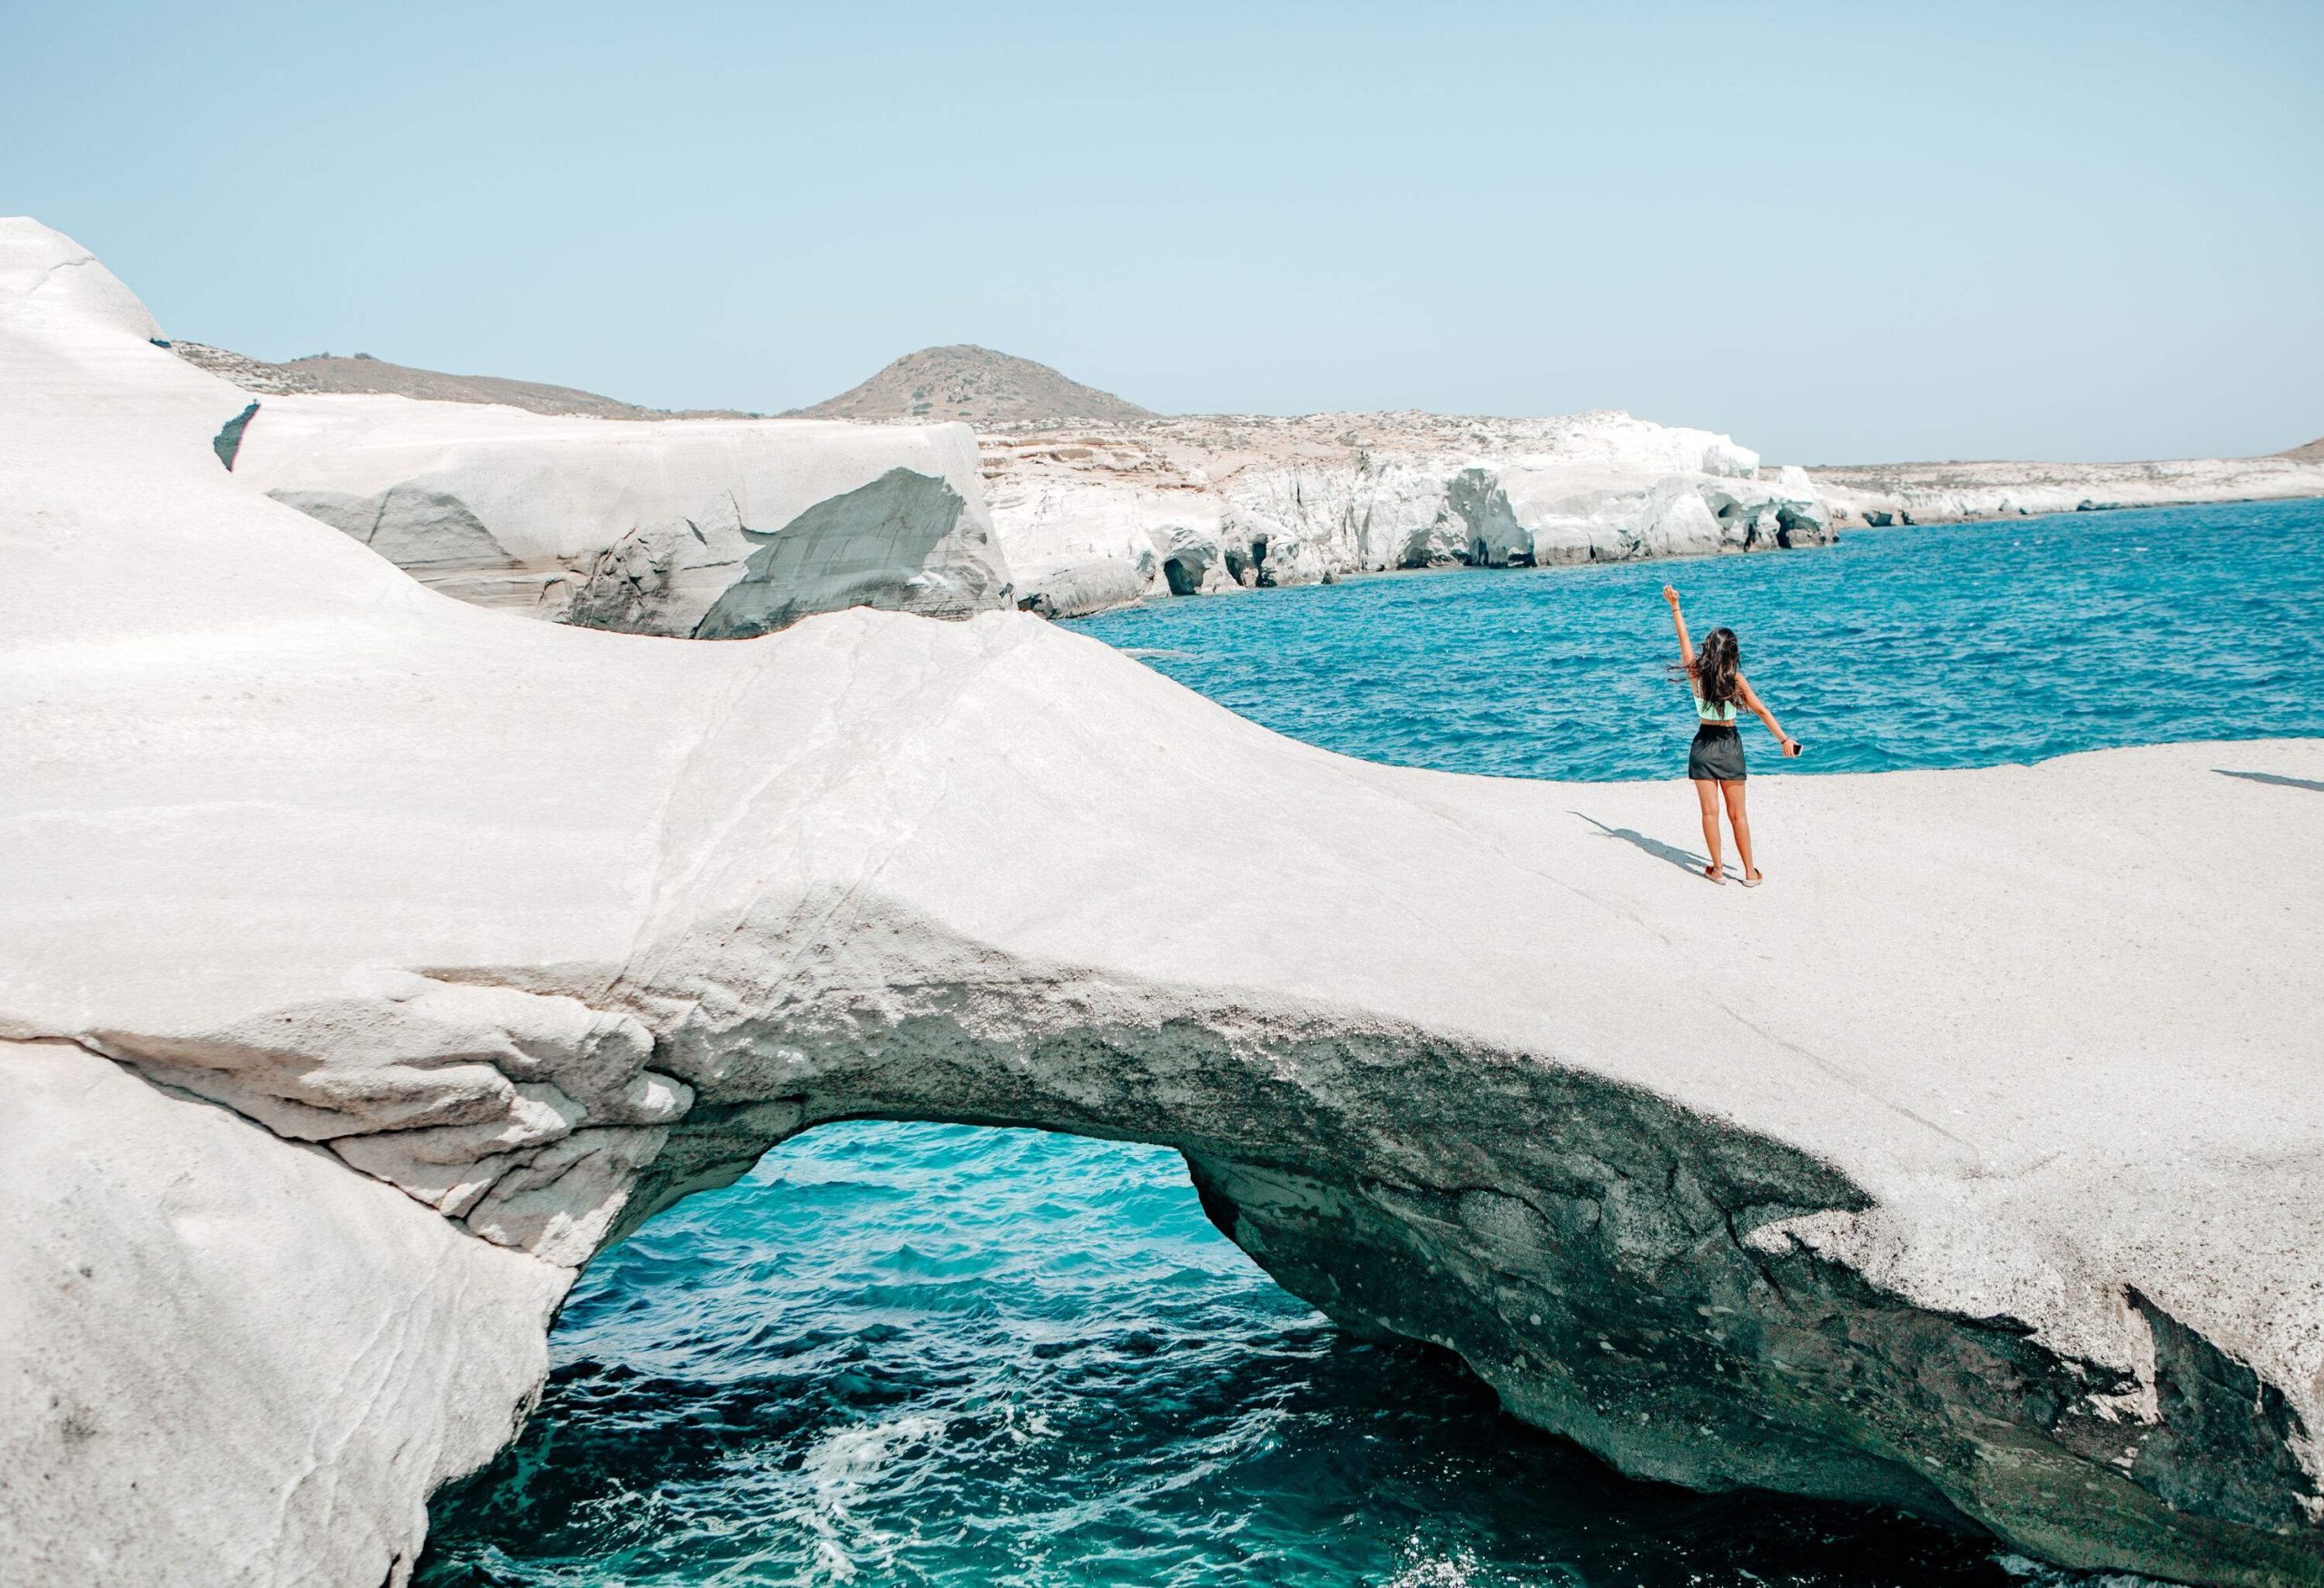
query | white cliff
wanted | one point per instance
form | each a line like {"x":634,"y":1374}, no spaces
{"x":709,"y":528}
{"x":1954,"y":493}
{"x":368,"y":960}
{"x":1094,"y":516}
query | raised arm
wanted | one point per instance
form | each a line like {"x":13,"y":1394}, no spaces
{"x":1678,"y":619}
{"x":1752,"y":703}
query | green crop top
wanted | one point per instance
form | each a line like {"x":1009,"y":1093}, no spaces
{"x":1705,"y":711}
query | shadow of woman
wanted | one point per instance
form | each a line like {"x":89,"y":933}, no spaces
{"x":1685,"y":860}
{"x":2275,"y":777}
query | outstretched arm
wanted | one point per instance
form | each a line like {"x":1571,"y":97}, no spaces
{"x":1678,"y":619}
{"x":1751,"y":702}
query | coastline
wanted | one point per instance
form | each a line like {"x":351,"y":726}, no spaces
{"x":1842,"y":531}
{"x":1958,"y":493}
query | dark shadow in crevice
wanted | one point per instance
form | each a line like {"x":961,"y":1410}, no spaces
{"x":228,"y":443}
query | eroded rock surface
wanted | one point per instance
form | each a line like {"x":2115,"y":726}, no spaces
{"x":647,"y":526}
{"x":1971,"y":1164}
{"x":227,"y":1360}
{"x":1096,"y":516}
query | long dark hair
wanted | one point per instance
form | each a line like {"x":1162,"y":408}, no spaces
{"x":1715,"y":666}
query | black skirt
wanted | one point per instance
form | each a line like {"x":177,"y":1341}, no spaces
{"x":1716,"y":755}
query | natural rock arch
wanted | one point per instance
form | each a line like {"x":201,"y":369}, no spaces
{"x":1618,"y":1268}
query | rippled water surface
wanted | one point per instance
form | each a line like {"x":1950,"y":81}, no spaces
{"x":942,"y":1355}
{"x":1960,"y":645}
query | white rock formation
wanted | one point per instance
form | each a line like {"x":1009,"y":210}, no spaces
{"x":716,"y":527}
{"x":1096,"y":516}
{"x":1953,"y":493}
{"x":1973,"y":1164}
{"x":1103,"y":520}
{"x":222,"y":1361}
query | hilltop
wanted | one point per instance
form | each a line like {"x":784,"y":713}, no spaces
{"x":978,"y":386}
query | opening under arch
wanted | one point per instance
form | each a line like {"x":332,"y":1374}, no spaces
{"x":956,"y":1354}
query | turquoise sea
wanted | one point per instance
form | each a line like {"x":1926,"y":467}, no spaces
{"x":950,"y":1357}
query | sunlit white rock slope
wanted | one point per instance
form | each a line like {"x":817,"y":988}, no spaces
{"x":367,"y":959}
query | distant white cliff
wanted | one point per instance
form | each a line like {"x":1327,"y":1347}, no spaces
{"x":369,"y":961}
{"x":1954,"y":493}
{"x":1096,"y":516}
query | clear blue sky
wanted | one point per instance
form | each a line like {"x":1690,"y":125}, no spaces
{"x":1838,"y":232}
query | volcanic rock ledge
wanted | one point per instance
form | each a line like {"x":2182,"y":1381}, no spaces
{"x":370,"y":961}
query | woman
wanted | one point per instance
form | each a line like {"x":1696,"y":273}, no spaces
{"x":1716,"y":762}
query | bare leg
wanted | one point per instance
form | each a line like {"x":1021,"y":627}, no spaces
{"x":1707,"y":792}
{"x":1742,"y":825}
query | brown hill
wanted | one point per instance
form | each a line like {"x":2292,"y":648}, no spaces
{"x":2311,"y":453}
{"x":364,"y":373}
{"x":976,"y":385}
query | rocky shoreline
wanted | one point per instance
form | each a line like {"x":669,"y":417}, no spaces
{"x":1097,"y":516}
{"x":1957,"y":493}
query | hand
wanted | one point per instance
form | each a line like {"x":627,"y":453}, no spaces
{"x":1791,"y":746}
{"x":1670,"y":596}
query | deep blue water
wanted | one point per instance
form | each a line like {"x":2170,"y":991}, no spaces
{"x":948,"y":1357}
